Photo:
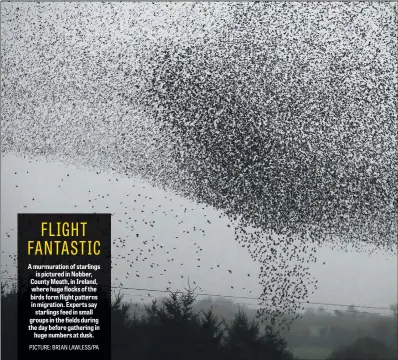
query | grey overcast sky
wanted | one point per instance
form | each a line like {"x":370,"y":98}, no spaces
{"x":74,"y":80}
{"x":40,"y":186}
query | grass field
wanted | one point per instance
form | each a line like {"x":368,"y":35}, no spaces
{"x":311,"y":353}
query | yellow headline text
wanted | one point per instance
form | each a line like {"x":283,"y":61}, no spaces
{"x":64,"y":247}
{"x":74,"y":228}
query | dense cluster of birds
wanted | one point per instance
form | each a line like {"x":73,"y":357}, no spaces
{"x":282,"y":116}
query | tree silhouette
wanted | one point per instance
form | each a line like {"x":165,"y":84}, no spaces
{"x":175,"y":328}
{"x":9,"y":304}
{"x":245,"y":342}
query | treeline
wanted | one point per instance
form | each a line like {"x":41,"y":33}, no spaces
{"x":177,"y":328}
{"x":315,"y":328}
{"x":172,"y":329}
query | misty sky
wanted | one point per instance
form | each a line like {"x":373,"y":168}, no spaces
{"x":40,"y":186}
{"x":75,"y":84}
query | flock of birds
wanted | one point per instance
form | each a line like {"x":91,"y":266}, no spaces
{"x":150,"y":259}
{"x":257,"y":110}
